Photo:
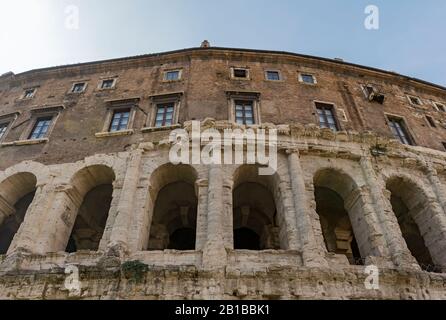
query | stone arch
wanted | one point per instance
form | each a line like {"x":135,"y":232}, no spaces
{"x":173,"y":224}
{"x":16,"y":195}
{"x":92,"y":192}
{"x":340,"y":207}
{"x":258,"y":214}
{"x":421,"y":221}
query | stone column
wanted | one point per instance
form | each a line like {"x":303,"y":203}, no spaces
{"x":437,"y":186}
{"x":214,"y":253}
{"x":125,"y":215}
{"x":201,"y":190}
{"x":311,"y":254}
{"x":396,"y":246}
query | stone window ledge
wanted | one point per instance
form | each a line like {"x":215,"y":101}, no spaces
{"x":25,"y":142}
{"x":114,"y":134}
{"x":155,"y":129}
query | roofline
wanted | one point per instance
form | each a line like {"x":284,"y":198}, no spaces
{"x":284,"y":53}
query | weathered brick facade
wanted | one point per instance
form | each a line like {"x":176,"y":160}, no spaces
{"x":390,"y":198}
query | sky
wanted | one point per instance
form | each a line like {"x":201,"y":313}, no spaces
{"x":40,"y":33}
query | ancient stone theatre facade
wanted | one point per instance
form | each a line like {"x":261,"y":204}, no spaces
{"x":87,"y":189}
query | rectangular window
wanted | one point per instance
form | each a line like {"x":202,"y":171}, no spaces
{"x":327,"y":118}
{"x":307,"y":78}
{"x":29,"y":93}
{"x":172,"y":75}
{"x":431,"y":121}
{"x":399,"y":130}
{"x":3,"y":128}
{"x":240,"y":73}
{"x":41,"y":127}
{"x":108,"y":84}
{"x":164,"y":115}
{"x":273,"y":75}
{"x":440,"y":107}
{"x":444,"y":145}
{"x":244,"y":112}
{"x":120,"y":120}
{"x":78,"y":87}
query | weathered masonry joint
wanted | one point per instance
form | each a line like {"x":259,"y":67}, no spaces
{"x":86,"y":181}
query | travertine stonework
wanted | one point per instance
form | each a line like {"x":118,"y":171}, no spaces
{"x":51,"y":183}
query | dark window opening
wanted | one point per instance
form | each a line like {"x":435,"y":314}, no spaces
{"x":246,"y":239}
{"x":164,"y":115}
{"x":441,"y":107}
{"x":244,"y":112}
{"x":182,"y":239}
{"x":444,"y":145}
{"x":240,"y":73}
{"x":120,"y":120}
{"x":415,"y":101}
{"x":431,"y":122}
{"x":399,"y":130}
{"x":29,"y":93}
{"x":41,"y":127}
{"x":327,"y":118}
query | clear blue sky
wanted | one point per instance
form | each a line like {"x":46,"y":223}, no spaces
{"x":411,"y":38}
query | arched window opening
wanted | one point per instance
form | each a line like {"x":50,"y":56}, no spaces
{"x":410,"y":207}
{"x":174,"y":220}
{"x":256,"y":220}
{"x":96,"y":185}
{"x":16,"y":194}
{"x":331,"y":190}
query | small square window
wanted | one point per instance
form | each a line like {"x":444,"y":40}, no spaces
{"x":173,"y":75}
{"x":164,"y":115}
{"x":3,"y":127}
{"x":29,"y":93}
{"x":307,"y":78}
{"x":78,"y":87}
{"x":120,"y":120}
{"x":431,"y":121}
{"x":240,"y":73}
{"x":415,"y":100}
{"x":440,"y":107}
{"x":108,"y":84}
{"x":273,"y":75}
{"x":41,"y":127}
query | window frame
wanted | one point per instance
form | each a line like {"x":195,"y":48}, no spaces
{"x":77,"y":83}
{"x":275,"y":71}
{"x":401,"y":119}
{"x":165,"y":106}
{"x":244,"y":103}
{"x":174,"y":98}
{"x":8,"y":119}
{"x":34,"y":91}
{"x":431,"y":121}
{"x":127,"y":110}
{"x":247,"y":70}
{"x":254,"y":97}
{"x":47,"y":118}
{"x":410,"y":97}
{"x":335,"y":115}
{"x":166,"y":72}
{"x":303,"y":74}
{"x":38,"y":113}
{"x":440,"y":106}
{"x":101,"y":83}
{"x":114,"y":106}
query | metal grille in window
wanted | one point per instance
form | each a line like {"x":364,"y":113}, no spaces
{"x":41,"y":127}
{"x":399,"y":131}
{"x":120,"y":120}
{"x":327,"y":117}
{"x":172,"y":75}
{"x":3,"y":128}
{"x":244,"y":112}
{"x":164,"y":115}
{"x":273,"y":75}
